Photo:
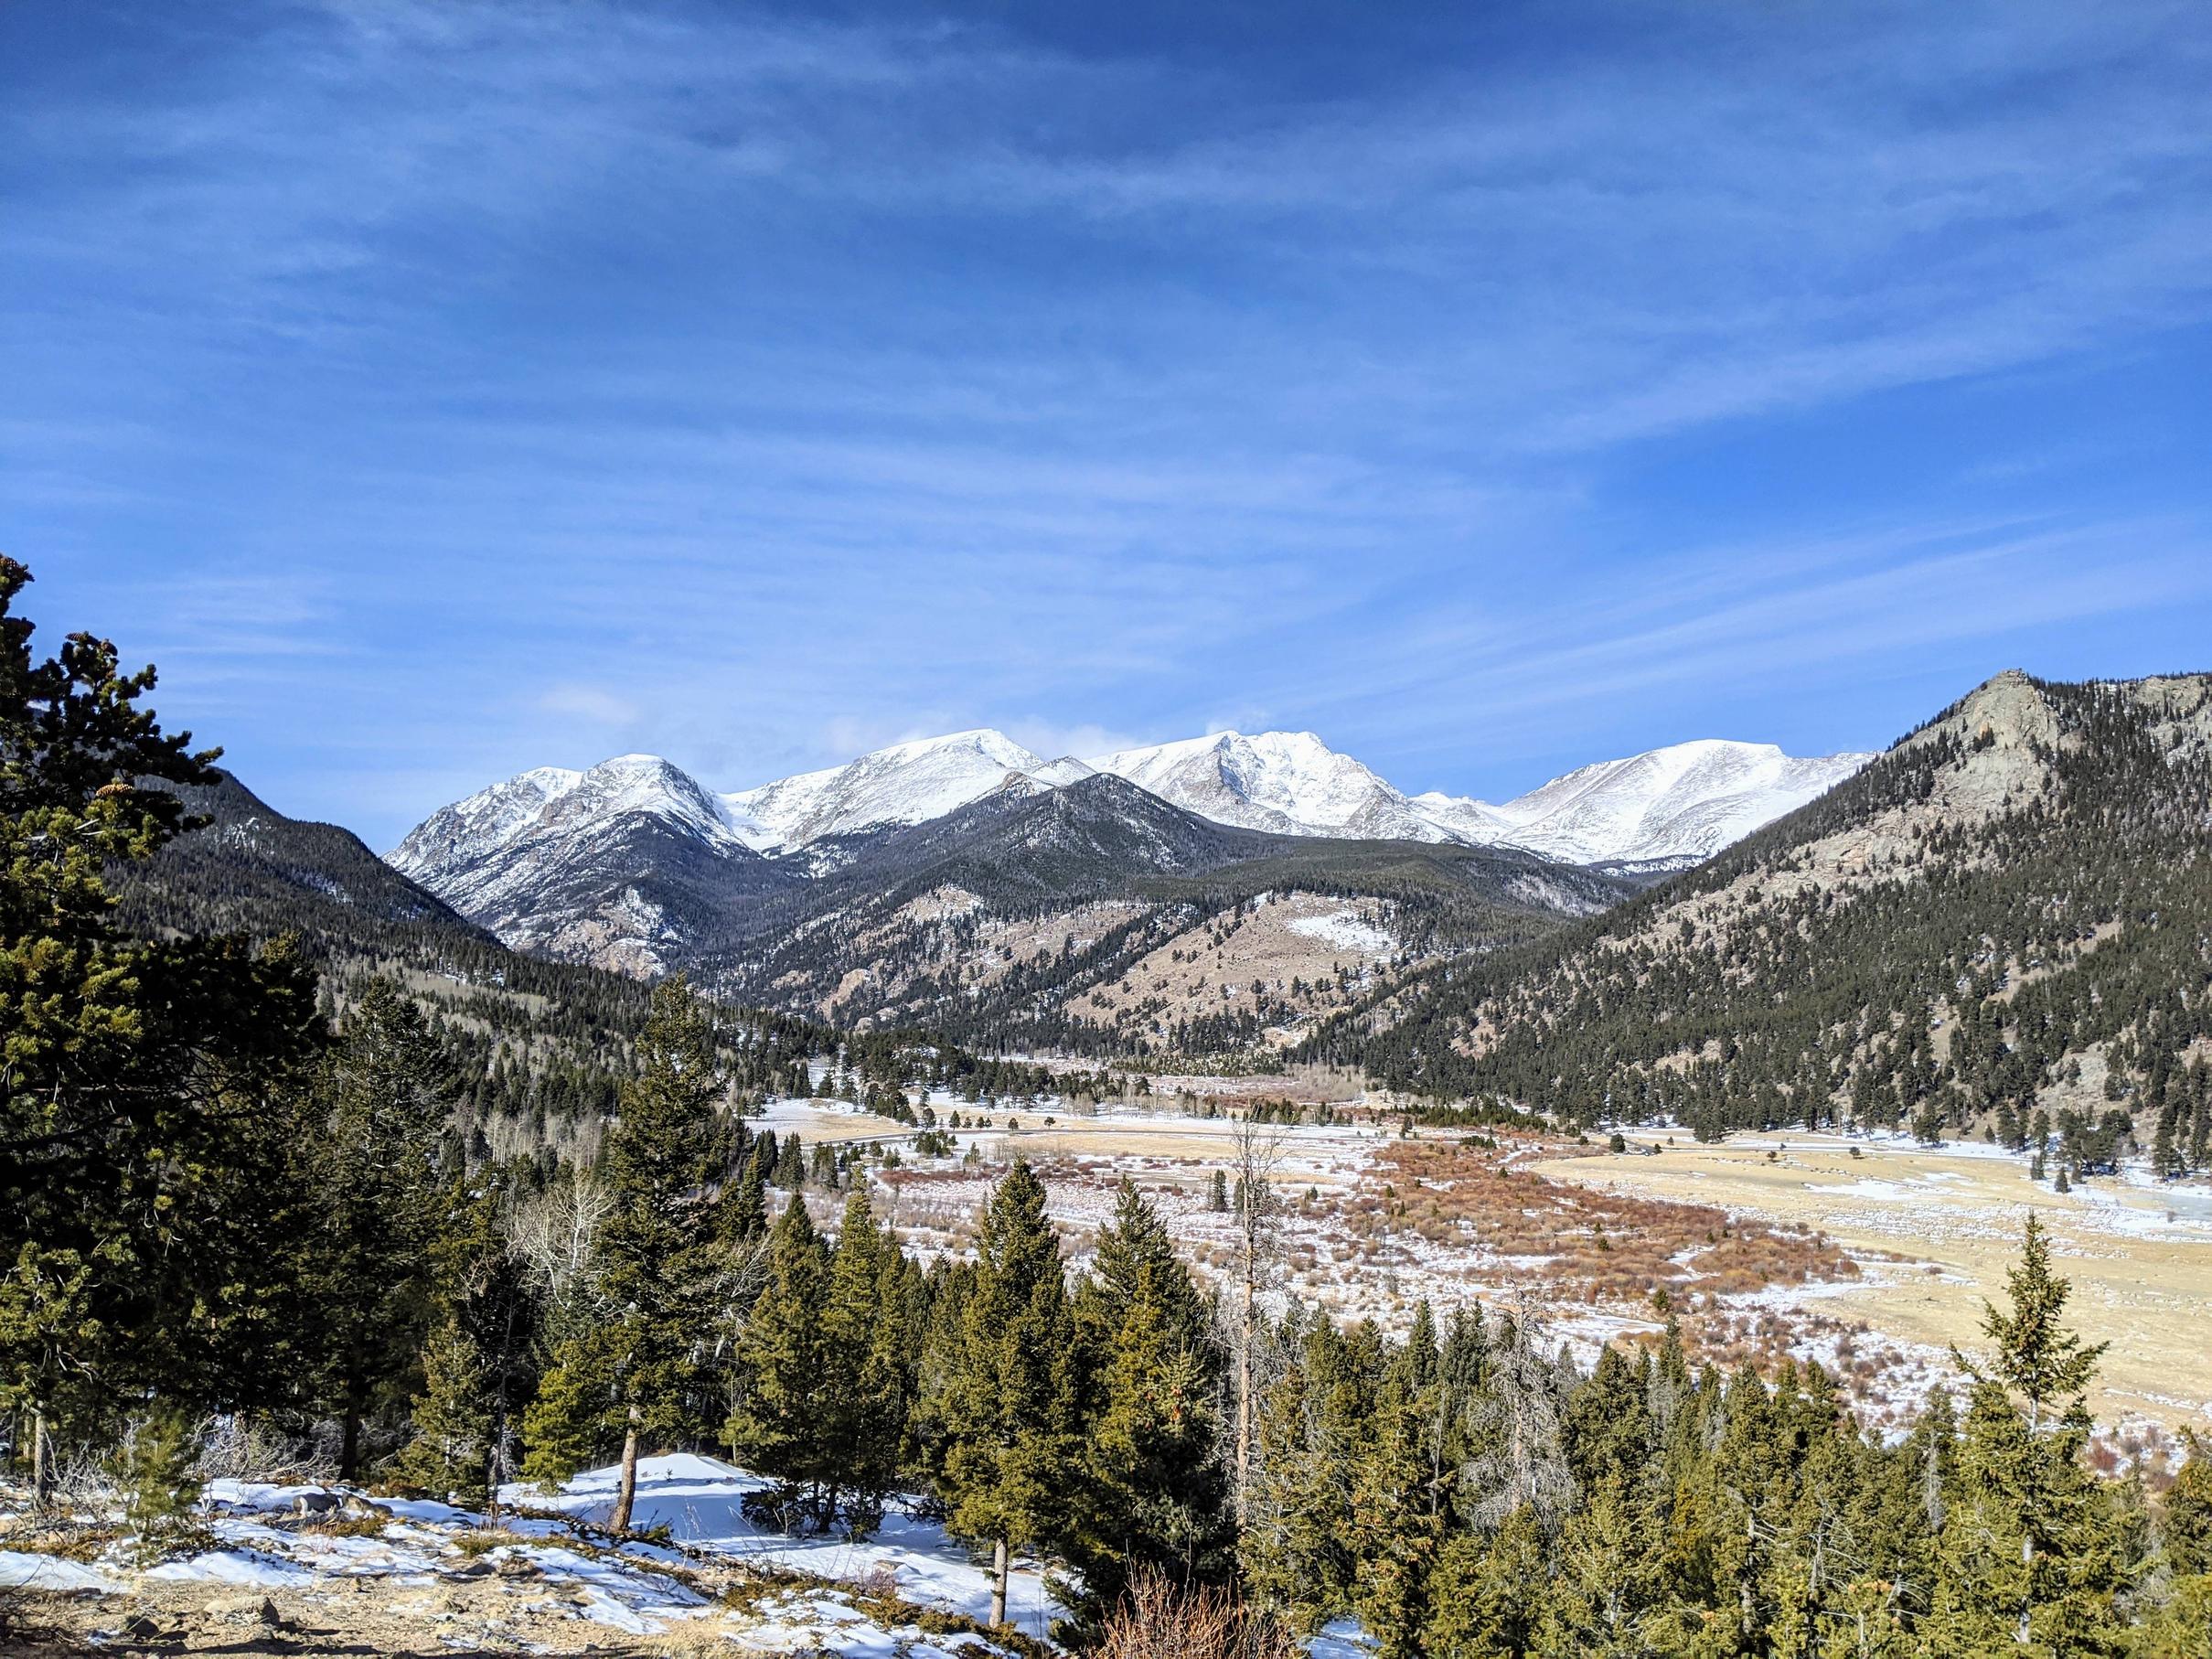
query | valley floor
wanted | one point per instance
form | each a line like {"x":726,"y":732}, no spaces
{"x":1871,"y":1254}
{"x":2138,"y":1254}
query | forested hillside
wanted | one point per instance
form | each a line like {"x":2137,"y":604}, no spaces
{"x":1027,"y":920}
{"x":2003,"y":926}
{"x":538,"y":1049}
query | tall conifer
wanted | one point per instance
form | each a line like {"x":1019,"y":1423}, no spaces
{"x":657,"y":1243}
{"x":1011,"y":1412}
{"x":779,"y":1427}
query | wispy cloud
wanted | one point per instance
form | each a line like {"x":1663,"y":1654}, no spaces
{"x":594,"y":705}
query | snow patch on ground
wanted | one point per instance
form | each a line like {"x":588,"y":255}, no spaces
{"x":20,"y":1569}
{"x":540,"y":1565}
{"x":1345,"y":930}
{"x":701,"y":1500}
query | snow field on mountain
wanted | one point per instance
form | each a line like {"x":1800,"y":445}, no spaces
{"x":1347,"y":931}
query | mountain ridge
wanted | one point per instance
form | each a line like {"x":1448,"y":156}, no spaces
{"x":2005,"y":919}
{"x":634,"y":865}
{"x":1699,"y":796}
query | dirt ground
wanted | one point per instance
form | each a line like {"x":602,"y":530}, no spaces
{"x":2140,"y":1258}
{"x":355,"y":1617}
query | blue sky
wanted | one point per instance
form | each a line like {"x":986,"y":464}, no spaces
{"x":434,"y":390}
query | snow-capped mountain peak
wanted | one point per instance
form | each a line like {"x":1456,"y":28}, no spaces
{"x":552,"y":800}
{"x":494,"y":853}
{"x":907,"y":783}
{"x":1678,"y":804}
{"x":1288,"y":783}
{"x":642,"y":783}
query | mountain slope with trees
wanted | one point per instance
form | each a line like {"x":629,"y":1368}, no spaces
{"x":995,"y":922}
{"x":2003,"y":927}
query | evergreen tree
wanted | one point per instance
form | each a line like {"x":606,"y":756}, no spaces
{"x":658,"y":1243}
{"x":1010,"y":1406}
{"x":1486,"y":1593}
{"x":1605,"y":1580}
{"x":1154,"y":1493}
{"x":2178,"y":1624}
{"x":790,"y":1165}
{"x":476,"y":1368}
{"x":1396,"y":1527}
{"x":744,"y":1214}
{"x":153,"y":1099}
{"x":2027,"y":1546}
{"x":1297,"y":1547}
{"x":451,"y":1453}
{"x":570,"y":1421}
{"x":866,"y":1376}
{"x":2184,"y":1529}
{"x":779,"y":1427}
{"x":390,"y":1090}
{"x":156,"y":1471}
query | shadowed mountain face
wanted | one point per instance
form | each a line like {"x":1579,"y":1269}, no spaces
{"x":252,"y":870}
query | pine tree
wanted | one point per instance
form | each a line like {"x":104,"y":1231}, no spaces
{"x":2180,"y":1625}
{"x":1604,"y":1584}
{"x":475,"y":1367}
{"x":1298,"y":1546}
{"x":790,"y":1165}
{"x":867,"y":1380}
{"x":1396,"y":1529}
{"x":1486,"y":1593}
{"x":779,"y":1427}
{"x":2184,"y":1522}
{"x":1011,"y":1408}
{"x":2027,"y":1546}
{"x":153,"y":1101}
{"x":390,"y":1088}
{"x":1155,"y":1493}
{"x":744,"y":1214}
{"x":657,"y":1244}
{"x":2037,"y":1357}
{"x":157,"y":1471}
{"x":572,"y":1420}
{"x":451,"y":1453}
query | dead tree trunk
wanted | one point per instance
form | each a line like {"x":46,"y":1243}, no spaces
{"x":627,"y":1497}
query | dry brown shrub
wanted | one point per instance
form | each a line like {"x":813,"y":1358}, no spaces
{"x":1160,"y":1619}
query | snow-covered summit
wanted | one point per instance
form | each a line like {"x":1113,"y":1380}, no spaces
{"x":1288,"y":783}
{"x":552,"y":801}
{"x":907,"y":783}
{"x":1675,"y":805}
{"x":1678,"y":804}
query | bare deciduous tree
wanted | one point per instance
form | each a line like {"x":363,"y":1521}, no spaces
{"x":556,"y":1235}
{"x":1256,"y":1149}
{"x":1513,"y":1424}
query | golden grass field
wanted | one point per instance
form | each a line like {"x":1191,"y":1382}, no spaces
{"x":1935,"y":1228}
{"x":2141,"y":1281}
